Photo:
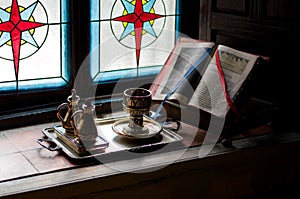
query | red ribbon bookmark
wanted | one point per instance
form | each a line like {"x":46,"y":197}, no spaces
{"x":223,"y":84}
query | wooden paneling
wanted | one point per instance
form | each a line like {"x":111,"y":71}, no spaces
{"x":240,"y":7}
{"x":263,"y":22}
{"x":280,"y":9}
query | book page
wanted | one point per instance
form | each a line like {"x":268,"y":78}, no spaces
{"x":184,"y":57}
{"x":236,"y":66}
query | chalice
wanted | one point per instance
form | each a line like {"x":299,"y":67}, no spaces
{"x":137,"y":102}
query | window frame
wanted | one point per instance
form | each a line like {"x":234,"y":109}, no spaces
{"x":40,"y":106}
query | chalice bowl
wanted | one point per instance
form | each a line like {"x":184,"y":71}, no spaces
{"x":137,"y":102}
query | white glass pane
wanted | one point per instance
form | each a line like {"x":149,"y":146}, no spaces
{"x":42,"y":64}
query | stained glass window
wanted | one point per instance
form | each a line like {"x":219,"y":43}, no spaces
{"x":131,"y":38}
{"x":34,"y":45}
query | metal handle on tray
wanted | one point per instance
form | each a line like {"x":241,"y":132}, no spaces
{"x":55,"y":148}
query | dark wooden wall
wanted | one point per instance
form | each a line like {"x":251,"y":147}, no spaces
{"x":259,"y":26}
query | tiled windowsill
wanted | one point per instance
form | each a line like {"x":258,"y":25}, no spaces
{"x":21,"y":155}
{"x":26,"y":166}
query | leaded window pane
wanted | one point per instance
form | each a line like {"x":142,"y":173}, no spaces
{"x":34,"y":44}
{"x":131,"y":38}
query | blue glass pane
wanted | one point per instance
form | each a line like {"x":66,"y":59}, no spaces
{"x":66,"y":52}
{"x":126,"y":73}
{"x":94,"y":10}
{"x":65,"y":11}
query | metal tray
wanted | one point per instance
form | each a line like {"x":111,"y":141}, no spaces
{"x":118,"y":145}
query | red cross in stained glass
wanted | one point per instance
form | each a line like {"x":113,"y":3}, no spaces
{"x":138,"y":17}
{"x":15,"y":26}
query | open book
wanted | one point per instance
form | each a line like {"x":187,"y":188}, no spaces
{"x":203,"y":75}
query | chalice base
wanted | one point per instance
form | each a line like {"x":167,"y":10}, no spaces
{"x":133,"y":131}
{"x":150,"y":128}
